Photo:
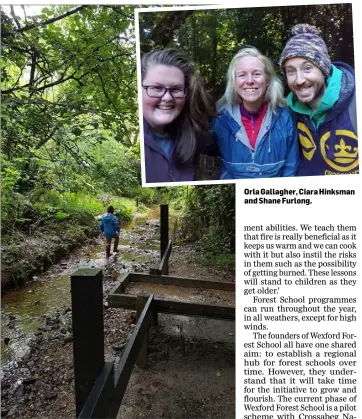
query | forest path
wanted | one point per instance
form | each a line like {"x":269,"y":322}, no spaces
{"x":191,"y":371}
{"x":40,"y":384}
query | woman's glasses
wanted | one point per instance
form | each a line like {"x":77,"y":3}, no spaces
{"x":160,"y":91}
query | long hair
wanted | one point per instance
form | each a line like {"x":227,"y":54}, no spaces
{"x":193,"y":122}
{"x":275,"y":91}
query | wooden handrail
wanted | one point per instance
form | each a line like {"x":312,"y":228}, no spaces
{"x":123,"y":372}
{"x":105,"y":396}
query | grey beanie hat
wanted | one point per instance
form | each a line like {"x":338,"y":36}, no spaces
{"x":306,"y":43}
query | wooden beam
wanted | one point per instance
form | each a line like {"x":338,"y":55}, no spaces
{"x":215,"y":311}
{"x":88,"y":331}
{"x":182,"y":282}
{"x":164,"y":228}
{"x":165,"y":259}
{"x":128,"y":301}
{"x":141,"y":301}
{"x":159,"y":305}
{"x":98,"y":401}
{"x":121,"y":284}
{"x":163,"y":266}
{"x":123,"y":372}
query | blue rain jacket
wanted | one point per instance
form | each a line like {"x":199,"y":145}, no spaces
{"x":109,"y":225}
{"x":276,"y":152}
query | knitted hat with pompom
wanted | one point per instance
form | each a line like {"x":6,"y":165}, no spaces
{"x":306,"y":43}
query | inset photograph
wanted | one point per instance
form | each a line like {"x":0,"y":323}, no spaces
{"x":246,"y":93}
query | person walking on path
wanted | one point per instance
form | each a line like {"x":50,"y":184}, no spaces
{"x":323,"y":98}
{"x":110,"y":228}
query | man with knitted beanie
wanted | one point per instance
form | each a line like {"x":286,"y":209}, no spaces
{"x":324,"y":101}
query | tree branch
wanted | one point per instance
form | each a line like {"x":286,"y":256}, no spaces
{"x":46,"y":22}
{"x":14,"y":17}
{"x":46,"y":139}
{"x":117,"y":10}
{"x":104,"y":90}
{"x":32,"y":69}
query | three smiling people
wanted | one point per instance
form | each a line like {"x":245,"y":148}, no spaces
{"x":257,"y":135}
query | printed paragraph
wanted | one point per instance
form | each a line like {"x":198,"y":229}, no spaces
{"x":299,"y":286}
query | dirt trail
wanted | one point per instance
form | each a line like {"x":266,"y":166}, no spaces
{"x":191,"y":371}
{"x":191,"y":363}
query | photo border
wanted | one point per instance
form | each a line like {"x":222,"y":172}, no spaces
{"x":225,"y":5}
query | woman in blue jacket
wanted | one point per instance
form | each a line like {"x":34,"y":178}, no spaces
{"x":256,"y":133}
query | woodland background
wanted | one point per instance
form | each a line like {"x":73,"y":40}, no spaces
{"x":70,"y":139}
{"x":212,"y":37}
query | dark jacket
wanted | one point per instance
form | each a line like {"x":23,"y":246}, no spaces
{"x":162,"y":168}
{"x":331,"y":148}
{"x":276,"y":149}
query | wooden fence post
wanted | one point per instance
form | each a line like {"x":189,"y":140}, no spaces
{"x":164,"y":232}
{"x":88,"y":331}
{"x":141,"y":301}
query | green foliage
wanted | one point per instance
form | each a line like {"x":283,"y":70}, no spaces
{"x":14,"y":210}
{"x":9,"y":175}
{"x":113,"y":166}
{"x":146,"y":195}
{"x":209,"y":219}
{"x":14,"y":205}
{"x":70,"y":120}
{"x":124,"y":208}
{"x":43,"y":206}
{"x":142,"y":208}
{"x":224,"y":260}
{"x":81,"y":202}
{"x":175,"y":197}
{"x":213,"y":240}
{"x":80,"y":205}
{"x":212,"y":37}
{"x":54,"y":206}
